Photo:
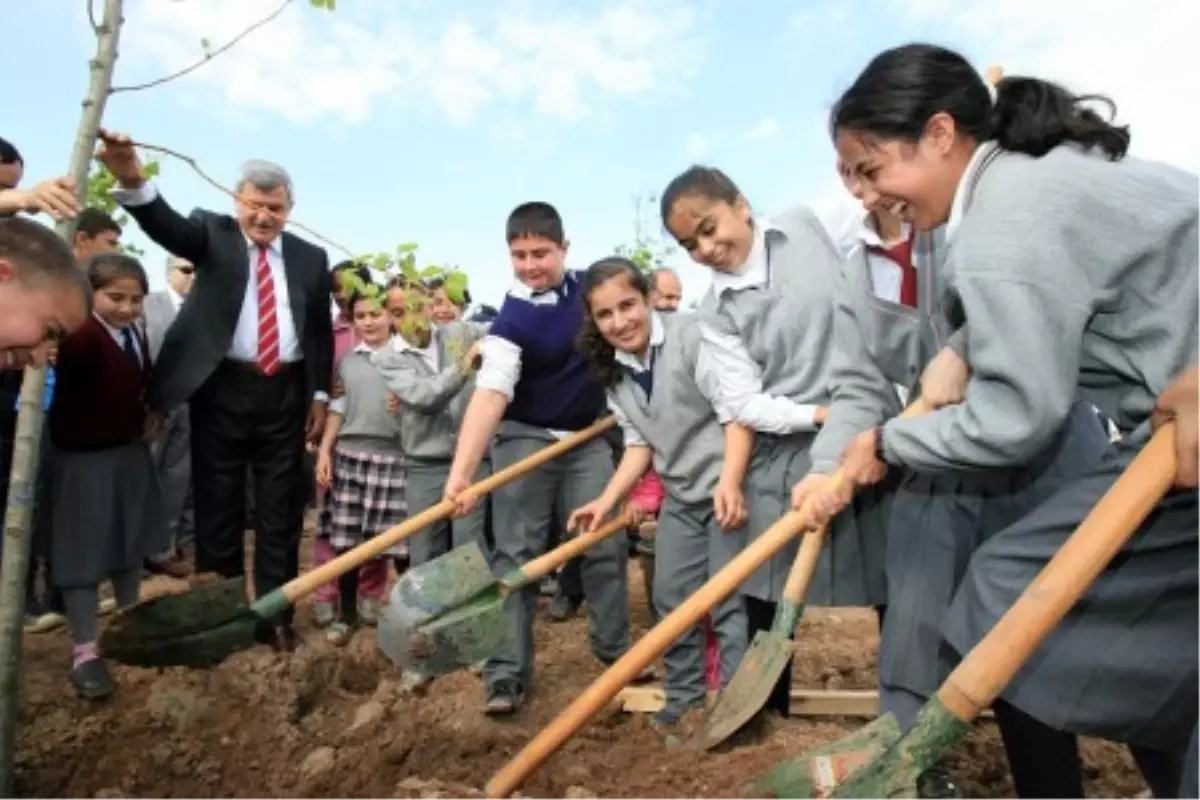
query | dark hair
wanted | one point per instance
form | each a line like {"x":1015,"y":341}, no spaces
{"x":536,"y":219}
{"x":361,"y":272}
{"x":707,"y":182}
{"x":104,"y":268}
{"x":355,"y":297}
{"x":433,"y":284}
{"x":92,"y":222}
{"x":897,"y":93}
{"x":40,"y":254}
{"x":9,"y":154}
{"x":602,"y":356}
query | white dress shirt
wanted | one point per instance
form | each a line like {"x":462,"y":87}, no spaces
{"x":118,"y":336}
{"x":176,"y":299}
{"x":739,"y":377}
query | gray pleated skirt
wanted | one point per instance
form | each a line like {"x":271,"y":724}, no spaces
{"x":1123,"y":664}
{"x":105,"y":515}
{"x":937,"y":521}
{"x":850,"y":570}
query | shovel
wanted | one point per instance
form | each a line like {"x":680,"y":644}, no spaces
{"x":880,"y":762}
{"x":768,"y":655}
{"x":449,"y":612}
{"x":205,"y":625}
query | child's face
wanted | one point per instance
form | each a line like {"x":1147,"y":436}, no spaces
{"x":713,"y":232}
{"x":621,"y":314}
{"x":537,"y":262}
{"x":372,"y":324}
{"x":409,"y":314}
{"x":442,"y":309}
{"x":916,"y":181}
{"x":119,"y":302}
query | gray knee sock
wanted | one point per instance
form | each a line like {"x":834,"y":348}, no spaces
{"x":81,"y":606}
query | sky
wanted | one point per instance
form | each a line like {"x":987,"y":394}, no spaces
{"x":423,"y":121}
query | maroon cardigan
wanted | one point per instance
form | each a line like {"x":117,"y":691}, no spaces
{"x":99,"y":397}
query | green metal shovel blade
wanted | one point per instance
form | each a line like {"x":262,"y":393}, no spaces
{"x":198,"y":628}
{"x":818,"y":772}
{"x":763,"y":663}
{"x":445,"y":614}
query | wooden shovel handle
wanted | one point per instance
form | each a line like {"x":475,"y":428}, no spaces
{"x":795,"y":589}
{"x":658,"y":639}
{"x":993,"y":662}
{"x":377,"y":545}
{"x":543,"y":565}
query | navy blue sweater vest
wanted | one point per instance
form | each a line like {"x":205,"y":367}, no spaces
{"x":556,"y":390}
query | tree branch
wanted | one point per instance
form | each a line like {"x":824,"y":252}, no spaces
{"x":191,"y":162}
{"x":207,"y":56}
{"x":91,"y":9}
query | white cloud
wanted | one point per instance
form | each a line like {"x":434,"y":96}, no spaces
{"x":1135,"y":52}
{"x":767,"y":128}
{"x":308,"y":64}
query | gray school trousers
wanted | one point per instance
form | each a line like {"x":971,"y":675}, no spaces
{"x":521,"y":512}
{"x":425,"y":487}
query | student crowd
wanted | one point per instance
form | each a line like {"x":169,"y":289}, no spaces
{"x":1008,"y":264}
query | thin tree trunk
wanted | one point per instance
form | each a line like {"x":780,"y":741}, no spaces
{"x":18,"y":516}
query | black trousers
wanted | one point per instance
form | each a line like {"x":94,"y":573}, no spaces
{"x":242,"y":419}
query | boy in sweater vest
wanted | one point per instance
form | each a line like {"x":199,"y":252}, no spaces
{"x":535,"y":387}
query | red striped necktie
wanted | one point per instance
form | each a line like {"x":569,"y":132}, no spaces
{"x":268,"y":325}
{"x":902,"y":254}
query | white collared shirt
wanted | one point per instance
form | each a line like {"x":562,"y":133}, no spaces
{"x":176,"y":299}
{"x":428,"y":353}
{"x":738,"y":376}
{"x":118,"y":335}
{"x":960,"y":191}
{"x":886,"y":275}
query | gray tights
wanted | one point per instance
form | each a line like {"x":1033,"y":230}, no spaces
{"x":83,"y":603}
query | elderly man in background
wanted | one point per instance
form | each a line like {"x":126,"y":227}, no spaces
{"x":666,"y":290}
{"x":251,"y":353}
{"x":172,"y":453}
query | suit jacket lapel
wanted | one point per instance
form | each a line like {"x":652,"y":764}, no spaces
{"x":296,"y":297}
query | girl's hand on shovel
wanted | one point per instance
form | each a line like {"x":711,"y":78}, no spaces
{"x":859,"y":464}
{"x":826,"y":495}
{"x":1178,"y":402}
{"x":587,"y":518}
{"x":456,"y":492}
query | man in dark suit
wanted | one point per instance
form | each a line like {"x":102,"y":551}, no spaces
{"x":251,"y":352}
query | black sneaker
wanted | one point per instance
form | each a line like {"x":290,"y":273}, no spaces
{"x":504,"y":697}
{"x":562,"y":607}
{"x":91,"y":679}
{"x":935,"y":783}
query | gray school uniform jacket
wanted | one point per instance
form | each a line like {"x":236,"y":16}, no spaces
{"x":432,"y":403}
{"x":1078,"y":277}
{"x":678,"y":421}
{"x":787,"y":327}
{"x":879,"y":345}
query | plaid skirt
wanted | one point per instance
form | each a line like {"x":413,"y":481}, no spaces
{"x":365,"y":499}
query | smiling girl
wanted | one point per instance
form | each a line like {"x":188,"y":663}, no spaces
{"x":767,"y":333}
{"x":105,"y":510}
{"x":1076,"y":270}
{"x":359,"y":461}
{"x":648,"y":363}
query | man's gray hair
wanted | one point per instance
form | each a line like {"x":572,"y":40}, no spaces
{"x":266,"y":176}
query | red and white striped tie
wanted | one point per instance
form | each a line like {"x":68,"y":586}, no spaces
{"x":268,"y":327}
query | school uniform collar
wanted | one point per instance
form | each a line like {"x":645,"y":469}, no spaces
{"x":370,"y":352}
{"x":401,"y":345}
{"x":542,"y":297}
{"x":958,"y":206}
{"x":657,"y":335}
{"x":754,"y":270}
{"x":868,"y":235}
{"x":118,"y":334}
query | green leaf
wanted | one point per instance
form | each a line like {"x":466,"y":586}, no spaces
{"x":407,"y":247}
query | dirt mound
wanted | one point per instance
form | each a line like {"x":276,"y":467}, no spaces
{"x":328,"y":722}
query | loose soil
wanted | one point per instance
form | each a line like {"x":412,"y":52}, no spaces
{"x":331,"y":722}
